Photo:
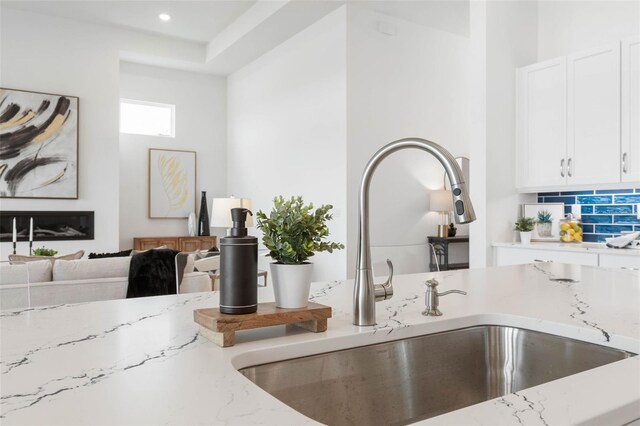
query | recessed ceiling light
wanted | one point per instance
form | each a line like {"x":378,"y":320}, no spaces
{"x":164,"y":17}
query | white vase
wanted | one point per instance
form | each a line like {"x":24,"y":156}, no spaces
{"x":291,"y":284}
{"x":525,"y":237}
{"x":191,"y":224}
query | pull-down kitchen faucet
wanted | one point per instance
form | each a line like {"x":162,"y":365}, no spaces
{"x":365,"y":292}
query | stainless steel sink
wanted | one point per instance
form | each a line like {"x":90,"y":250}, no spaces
{"x":408,"y":380}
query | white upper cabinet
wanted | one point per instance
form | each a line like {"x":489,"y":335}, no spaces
{"x":593,"y":116}
{"x":541,"y":123}
{"x":578,"y":119}
{"x":631,"y":110}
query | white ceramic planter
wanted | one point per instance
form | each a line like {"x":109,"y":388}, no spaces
{"x":291,"y":284}
{"x":525,"y":237}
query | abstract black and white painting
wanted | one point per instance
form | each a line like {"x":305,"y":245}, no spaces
{"x":38,"y":145}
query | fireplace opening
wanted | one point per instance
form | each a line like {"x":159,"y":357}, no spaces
{"x":47,"y":226}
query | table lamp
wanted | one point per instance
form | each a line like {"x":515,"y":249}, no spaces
{"x":441,"y":201}
{"x":221,"y":211}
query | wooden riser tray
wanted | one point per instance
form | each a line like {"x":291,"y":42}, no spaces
{"x":220,"y":328}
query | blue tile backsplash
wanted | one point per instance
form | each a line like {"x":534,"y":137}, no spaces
{"x":628,"y":209}
{"x":605,"y":212}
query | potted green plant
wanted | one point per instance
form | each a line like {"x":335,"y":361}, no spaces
{"x":293,"y":232}
{"x":543,"y":223}
{"x":43,"y":251}
{"x":525,"y":225}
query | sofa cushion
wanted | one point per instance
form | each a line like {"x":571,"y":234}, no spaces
{"x":39,"y":271}
{"x":109,"y":267}
{"x":61,"y":292}
{"x":51,"y":259}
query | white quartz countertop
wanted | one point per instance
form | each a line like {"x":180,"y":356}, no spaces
{"x":598,"y":248}
{"x":142,"y":361}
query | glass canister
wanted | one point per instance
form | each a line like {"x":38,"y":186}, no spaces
{"x":570,"y":229}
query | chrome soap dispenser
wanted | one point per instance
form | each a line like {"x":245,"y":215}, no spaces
{"x":238,"y":267}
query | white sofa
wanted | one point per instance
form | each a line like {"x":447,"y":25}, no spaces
{"x":76,"y":281}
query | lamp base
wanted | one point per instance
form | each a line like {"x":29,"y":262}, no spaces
{"x":443,"y":231}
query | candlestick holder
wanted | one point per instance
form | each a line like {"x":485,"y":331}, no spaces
{"x":14,"y":247}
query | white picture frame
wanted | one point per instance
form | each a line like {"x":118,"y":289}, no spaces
{"x":172,"y":183}
{"x":541,"y":232}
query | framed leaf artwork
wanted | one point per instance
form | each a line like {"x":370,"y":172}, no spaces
{"x":38,"y":145}
{"x":172,"y":183}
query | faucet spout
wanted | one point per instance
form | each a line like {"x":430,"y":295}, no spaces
{"x":365,"y":292}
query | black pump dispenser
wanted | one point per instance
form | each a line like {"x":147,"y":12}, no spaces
{"x":239,"y":217}
{"x":238,"y":267}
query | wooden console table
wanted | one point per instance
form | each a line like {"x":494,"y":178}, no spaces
{"x":441,"y":247}
{"x":174,"y":243}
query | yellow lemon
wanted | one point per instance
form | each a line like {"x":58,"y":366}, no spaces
{"x":564,"y":226}
{"x":571,"y":231}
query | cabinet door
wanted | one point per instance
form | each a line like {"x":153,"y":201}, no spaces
{"x":594,"y":116}
{"x":631,"y":110}
{"x":145,"y":243}
{"x":207,"y":242}
{"x":190,"y":244}
{"x":541,"y":123}
{"x":619,"y":261}
{"x":168,"y":242}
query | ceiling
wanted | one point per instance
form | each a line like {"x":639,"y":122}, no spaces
{"x":228,"y":34}
{"x":446,"y":15}
{"x":202,"y":20}
{"x":199,"y":21}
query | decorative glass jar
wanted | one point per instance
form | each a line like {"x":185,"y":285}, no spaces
{"x":570,"y":229}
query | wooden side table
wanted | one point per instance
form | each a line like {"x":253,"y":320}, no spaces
{"x":441,"y":247}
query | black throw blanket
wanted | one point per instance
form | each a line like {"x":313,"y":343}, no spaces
{"x":153,"y":273}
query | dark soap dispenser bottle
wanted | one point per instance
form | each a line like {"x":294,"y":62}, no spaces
{"x":238,"y":267}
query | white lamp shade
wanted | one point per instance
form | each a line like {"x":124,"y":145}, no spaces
{"x":221,"y":211}
{"x":440,"y":201}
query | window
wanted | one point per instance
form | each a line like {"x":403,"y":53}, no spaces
{"x":147,"y":118}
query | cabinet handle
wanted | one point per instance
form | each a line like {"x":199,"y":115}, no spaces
{"x":625,"y":169}
{"x":569,"y":168}
{"x":562,"y":167}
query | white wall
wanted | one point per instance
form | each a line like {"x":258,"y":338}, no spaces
{"x":477,"y":115}
{"x":200,"y":108}
{"x":340,"y":74}
{"x":287,"y":128}
{"x":503,"y":38}
{"x":413,"y":83}
{"x":511,"y":43}
{"x":42,"y":53}
{"x":571,"y":26}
